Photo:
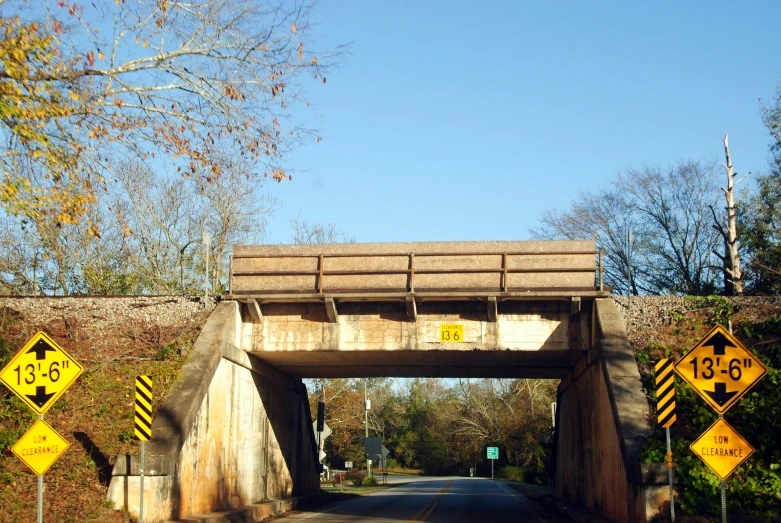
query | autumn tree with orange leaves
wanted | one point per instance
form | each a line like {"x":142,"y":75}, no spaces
{"x":86,"y":86}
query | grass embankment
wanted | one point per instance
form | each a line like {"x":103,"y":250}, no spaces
{"x":95,"y":415}
{"x":353,"y":491}
{"x":399,"y":471}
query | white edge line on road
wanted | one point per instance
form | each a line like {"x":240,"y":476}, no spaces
{"x":340,"y":505}
{"x":523,"y":501}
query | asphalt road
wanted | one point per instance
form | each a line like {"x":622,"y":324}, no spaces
{"x":435,"y":500}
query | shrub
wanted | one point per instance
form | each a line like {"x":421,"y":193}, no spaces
{"x":339,"y":478}
{"x":512,"y":473}
{"x":370,"y":482}
{"x":355,"y":476}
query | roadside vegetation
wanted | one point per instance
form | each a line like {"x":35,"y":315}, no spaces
{"x":664,"y":232}
{"x":441,"y":427}
{"x":754,"y":490}
{"x":95,"y":415}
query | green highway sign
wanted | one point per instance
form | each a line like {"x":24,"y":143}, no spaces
{"x":493,"y":452}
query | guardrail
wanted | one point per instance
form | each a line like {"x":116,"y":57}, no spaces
{"x":410,"y":268}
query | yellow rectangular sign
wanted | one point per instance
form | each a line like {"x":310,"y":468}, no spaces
{"x":40,"y":373}
{"x":143,"y":419}
{"x":40,"y":447}
{"x":665,"y":393}
{"x":451,"y":332}
{"x":722,"y":448}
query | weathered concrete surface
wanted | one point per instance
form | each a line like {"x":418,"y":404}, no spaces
{"x":418,"y":267}
{"x":235,"y":432}
{"x":526,"y":339}
{"x":252,"y":513}
{"x":602,"y":425}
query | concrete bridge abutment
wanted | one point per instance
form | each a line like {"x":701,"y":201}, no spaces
{"x":235,"y":432}
{"x":602,"y":425}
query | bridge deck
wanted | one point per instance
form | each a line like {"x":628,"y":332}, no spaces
{"x":394,"y":270}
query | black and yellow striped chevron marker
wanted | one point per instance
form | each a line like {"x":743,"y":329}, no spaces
{"x":665,"y":393}
{"x":143,"y":408}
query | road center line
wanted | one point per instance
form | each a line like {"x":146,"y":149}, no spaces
{"x":428,"y":508}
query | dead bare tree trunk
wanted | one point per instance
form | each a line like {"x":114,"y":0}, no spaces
{"x":733,"y":278}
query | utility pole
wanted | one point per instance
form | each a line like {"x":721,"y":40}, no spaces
{"x":207,"y":238}
{"x":629,"y":268}
{"x":366,"y":424}
{"x":35,"y":274}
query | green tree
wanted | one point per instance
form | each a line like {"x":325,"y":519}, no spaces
{"x":760,"y":219}
{"x":761,"y":235}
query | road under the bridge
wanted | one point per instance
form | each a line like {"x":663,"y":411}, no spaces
{"x":435,"y":500}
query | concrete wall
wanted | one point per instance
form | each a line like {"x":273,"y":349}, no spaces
{"x":534,"y":338}
{"x":234,"y":432}
{"x":602,"y":425}
{"x":414,"y":267}
{"x":237,"y":431}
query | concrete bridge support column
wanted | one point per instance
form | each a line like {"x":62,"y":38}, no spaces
{"x":602,"y":426}
{"x":233,"y":433}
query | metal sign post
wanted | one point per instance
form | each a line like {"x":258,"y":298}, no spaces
{"x":143,"y":429}
{"x":723,"y":499}
{"x":141,"y":488}
{"x":366,"y":425}
{"x":492,"y":453}
{"x":721,"y":370}
{"x":39,"y":448}
{"x":40,"y":491}
{"x":665,"y":413}
{"x":629,"y":269}
{"x":723,"y":489}
{"x":207,"y":238}
{"x":723,"y":450}
{"x":40,"y":499}
{"x":39,"y":374}
{"x":670,"y":475}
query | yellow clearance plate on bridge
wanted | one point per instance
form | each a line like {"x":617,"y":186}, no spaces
{"x":40,"y":447}
{"x":40,"y":373}
{"x":451,"y":332}
{"x":722,"y":448}
{"x":720,"y":369}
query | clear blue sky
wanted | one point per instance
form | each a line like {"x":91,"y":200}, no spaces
{"x":457,"y":120}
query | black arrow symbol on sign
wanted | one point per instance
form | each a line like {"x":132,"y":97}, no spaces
{"x":40,"y":397}
{"x":40,"y":349}
{"x":718,"y":341}
{"x":720,"y":394}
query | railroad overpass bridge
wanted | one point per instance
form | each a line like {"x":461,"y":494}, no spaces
{"x":237,"y":431}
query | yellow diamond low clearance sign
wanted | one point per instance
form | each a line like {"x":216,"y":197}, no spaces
{"x":40,"y":447}
{"x":722,"y":448}
{"x":40,"y":373}
{"x":720,"y":369}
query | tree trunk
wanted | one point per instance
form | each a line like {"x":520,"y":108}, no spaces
{"x":733,"y":278}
